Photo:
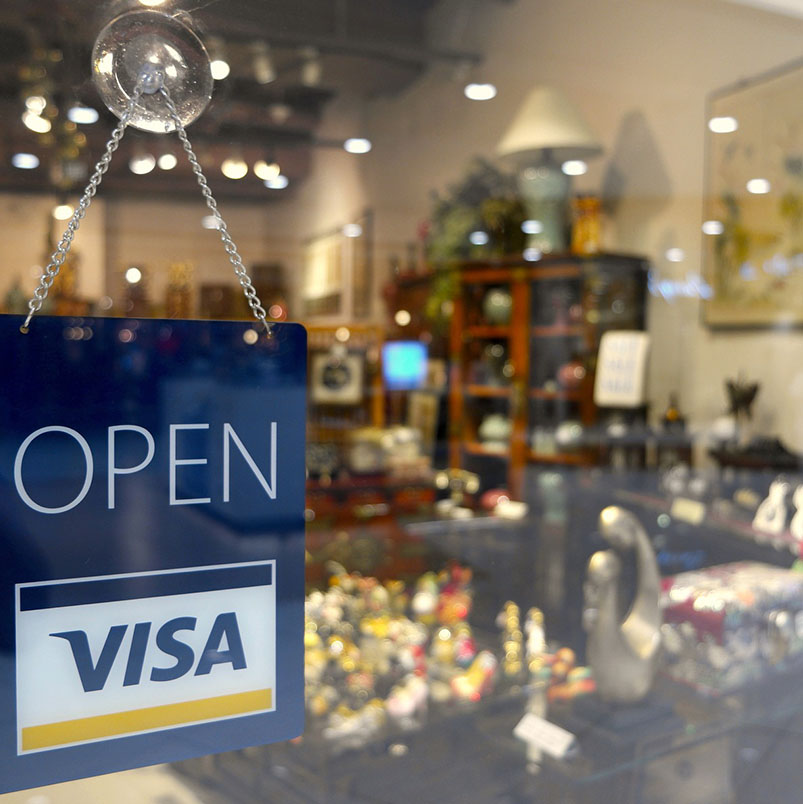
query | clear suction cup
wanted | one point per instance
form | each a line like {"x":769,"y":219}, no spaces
{"x":163,"y":48}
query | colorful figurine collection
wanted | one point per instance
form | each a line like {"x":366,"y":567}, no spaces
{"x":379,"y":654}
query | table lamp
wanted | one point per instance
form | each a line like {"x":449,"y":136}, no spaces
{"x":547,"y":132}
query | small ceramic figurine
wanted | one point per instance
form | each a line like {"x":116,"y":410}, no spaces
{"x":771,"y":514}
{"x":623,"y":654}
{"x":796,"y":525}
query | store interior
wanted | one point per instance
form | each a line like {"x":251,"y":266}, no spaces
{"x":549,"y":256}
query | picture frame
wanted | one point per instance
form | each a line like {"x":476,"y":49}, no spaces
{"x":753,"y":207}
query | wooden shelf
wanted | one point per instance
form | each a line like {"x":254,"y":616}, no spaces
{"x":565,"y":458}
{"x":476,"y":448}
{"x":487,"y":331}
{"x":534,"y":341}
{"x":569,"y":396}
{"x":558,"y":331}
{"x":489,"y":391}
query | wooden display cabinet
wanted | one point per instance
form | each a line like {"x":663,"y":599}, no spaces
{"x":537,"y":368}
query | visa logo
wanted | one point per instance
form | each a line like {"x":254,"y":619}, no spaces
{"x":94,"y":675}
{"x":109,"y":656}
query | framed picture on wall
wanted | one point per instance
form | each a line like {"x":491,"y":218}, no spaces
{"x":338,"y":272}
{"x":753,"y":229}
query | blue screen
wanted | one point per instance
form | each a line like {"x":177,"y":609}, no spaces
{"x":404,"y":365}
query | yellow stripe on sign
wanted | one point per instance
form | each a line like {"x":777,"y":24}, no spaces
{"x":152,"y":717}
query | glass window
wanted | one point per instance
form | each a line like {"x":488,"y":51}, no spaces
{"x":549,"y":257}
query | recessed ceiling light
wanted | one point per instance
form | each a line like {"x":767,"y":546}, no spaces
{"x":480,"y":92}
{"x":723,"y":125}
{"x":63,"y":212}
{"x":133,"y":275}
{"x":35,"y":104}
{"x":83,"y":115}
{"x":675,"y":254}
{"x":142,"y":164}
{"x":25,"y":161}
{"x":40,"y":125}
{"x":357,"y":145}
{"x":402,"y":317}
{"x":266,"y":171}
{"x":220,"y":69}
{"x":235,"y":167}
{"x":532,"y":254}
{"x":167,"y":162}
{"x":478,"y":238}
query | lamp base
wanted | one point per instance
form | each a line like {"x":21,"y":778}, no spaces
{"x":545,"y":191}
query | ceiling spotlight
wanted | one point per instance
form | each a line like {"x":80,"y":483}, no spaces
{"x":574,"y":167}
{"x":675,"y":254}
{"x":352,"y":230}
{"x":279,"y":183}
{"x":357,"y":145}
{"x":532,"y":227}
{"x":478,"y":238}
{"x":25,"y":161}
{"x":82,"y":115}
{"x":235,"y":167}
{"x":266,"y":171}
{"x":63,"y":212}
{"x":35,"y":103}
{"x":480,"y":92}
{"x":133,"y":275}
{"x":166,"y":162}
{"x":40,"y":125}
{"x":402,"y":317}
{"x":264,"y":71}
{"x":758,"y":186}
{"x":723,"y":125}
{"x":142,"y":164}
{"x":220,"y":69}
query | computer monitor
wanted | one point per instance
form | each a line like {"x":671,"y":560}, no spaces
{"x":404,"y":365}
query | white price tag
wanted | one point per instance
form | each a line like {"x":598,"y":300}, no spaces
{"x":686,"y":510}
{"x":540,"y":733}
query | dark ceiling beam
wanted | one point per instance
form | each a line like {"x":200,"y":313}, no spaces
{"x":374,"y":50}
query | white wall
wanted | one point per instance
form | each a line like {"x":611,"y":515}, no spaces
{"x":640,"y":70}
{"x":26,"y":221}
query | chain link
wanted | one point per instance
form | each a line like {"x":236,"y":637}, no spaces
{"x":228,"y":244}
{"x":60,"y":254}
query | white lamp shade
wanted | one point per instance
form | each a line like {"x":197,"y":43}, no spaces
{"x":547,"y":121}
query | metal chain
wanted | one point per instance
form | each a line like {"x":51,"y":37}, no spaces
{"x":60,"y":254}
{"x":231,"y":249}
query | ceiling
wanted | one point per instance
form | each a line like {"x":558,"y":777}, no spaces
{"x":358,"y":50}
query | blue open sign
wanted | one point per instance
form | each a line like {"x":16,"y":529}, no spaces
{"x":151,"y":520}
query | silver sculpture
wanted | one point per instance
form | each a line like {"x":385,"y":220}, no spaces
{"x":622,"y":652}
